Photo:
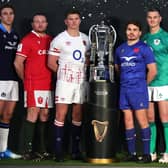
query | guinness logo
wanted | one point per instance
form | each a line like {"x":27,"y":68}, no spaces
{"x":100,"y":129}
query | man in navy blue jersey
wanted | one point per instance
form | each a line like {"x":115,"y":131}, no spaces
{"x":132,"y":58}
{"x":8,"y":78}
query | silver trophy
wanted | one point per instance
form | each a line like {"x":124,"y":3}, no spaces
{"x":102,"y":39}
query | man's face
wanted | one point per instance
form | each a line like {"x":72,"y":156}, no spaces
{"x":133,"y":32}
{"x":73,"y":21}
{"x":7,"y":16}
{"x":39,"y":23}
{"x":153,"y":19}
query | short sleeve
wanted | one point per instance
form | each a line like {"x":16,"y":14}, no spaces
{"x":23,"y":48}
{"x":149,"y":55}
{"x":55,"y":47}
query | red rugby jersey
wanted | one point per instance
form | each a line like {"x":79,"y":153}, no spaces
{"x":37,"y":76}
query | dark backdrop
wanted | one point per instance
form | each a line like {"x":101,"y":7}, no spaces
{"x":115,"y":12}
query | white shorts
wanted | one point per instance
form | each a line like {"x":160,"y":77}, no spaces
{"x":9,"y":90}
{"x":158,"y":93}
{"x":69,"y":93}
{"x":38,"y":98}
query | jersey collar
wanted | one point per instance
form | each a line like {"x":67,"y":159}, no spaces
{"x":35,"y":33}
{"x":3,"y":28}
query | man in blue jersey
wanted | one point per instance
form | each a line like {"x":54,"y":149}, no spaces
{"x":132,"y":58}
{"x":8,"y":78}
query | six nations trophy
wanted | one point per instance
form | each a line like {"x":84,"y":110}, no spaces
{"x":101,"y":108}
{"x":102,"y":40}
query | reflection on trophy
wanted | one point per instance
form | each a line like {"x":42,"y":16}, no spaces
{"x":101,"y":113}
{"x":102,"y":38}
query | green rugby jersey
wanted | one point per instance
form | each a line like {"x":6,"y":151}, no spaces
{"x":159,"y":44}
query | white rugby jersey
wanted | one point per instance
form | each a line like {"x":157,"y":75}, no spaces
{"x":69,"y":49}
{"x":71,"y":52}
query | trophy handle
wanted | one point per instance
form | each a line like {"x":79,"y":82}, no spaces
{"x":112,"y":41}
{"x":93,"y":41}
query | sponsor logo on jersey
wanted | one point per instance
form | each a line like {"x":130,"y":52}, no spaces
{"x":136,"y":50}
{"x":40,"y":100}
{"x":68,"y":43}
{"x":77,"y":54}
{"x":42,"y":52}
{"x":156,"y":41}
{"x":127,"y":61}
{"x":11,"y":45}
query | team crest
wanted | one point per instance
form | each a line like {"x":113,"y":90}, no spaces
{"x":4,"y":35}
{"x":40,"y":100}
{"x":136,"y":50}
{"x":156,"y":41}
{"x":84,"y":42}
{"x":15,"y":37}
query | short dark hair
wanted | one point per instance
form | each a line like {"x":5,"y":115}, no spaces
{"x":6,"y":6}
{"x":153,"y":9}
{"x":72,"y":11}
{"x":39,"y":14}
{"x":134,"y":22}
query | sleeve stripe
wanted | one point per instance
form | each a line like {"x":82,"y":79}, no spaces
{"x":22,"y":55}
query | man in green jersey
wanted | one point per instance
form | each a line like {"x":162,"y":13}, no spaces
{"x":157,"y":38}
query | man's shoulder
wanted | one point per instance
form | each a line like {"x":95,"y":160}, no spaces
{"x":122,"y":45}
{"x":60,"y":36}
{"x":84,"y":35}
{"x":28,"y":37}
{"x":164,"y":33}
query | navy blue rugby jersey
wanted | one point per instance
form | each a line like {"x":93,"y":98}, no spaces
{"x":132,"y":61}
{"x":8,"y":46}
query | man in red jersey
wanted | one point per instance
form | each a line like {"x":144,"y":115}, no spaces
{"x":31,"y":66}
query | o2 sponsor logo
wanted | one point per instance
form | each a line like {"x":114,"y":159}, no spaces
{"x":77,"y":55}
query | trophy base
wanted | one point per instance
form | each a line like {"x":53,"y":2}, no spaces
{"x":101,"y":74}
{"x":101,"y":160}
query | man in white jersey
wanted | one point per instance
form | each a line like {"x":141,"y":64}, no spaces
{"x":67,"y":57}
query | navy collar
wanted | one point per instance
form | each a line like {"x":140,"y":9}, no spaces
{"x":3,"y":28}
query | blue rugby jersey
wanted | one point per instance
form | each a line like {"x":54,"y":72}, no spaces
{"x":132,"y":60}
{"x":8,"y":46}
